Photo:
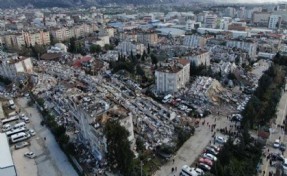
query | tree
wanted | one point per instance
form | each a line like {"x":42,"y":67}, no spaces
{"x":119,"y":152}
{"x":148,"y":49}
{"x":95,"y":48}
{"x":154,"y":59}
{"x":139,"y":70}
{"x":108,"y":47}
{"x":72,"y":43}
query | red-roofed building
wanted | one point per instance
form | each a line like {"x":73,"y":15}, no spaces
{"x":78,"y":63}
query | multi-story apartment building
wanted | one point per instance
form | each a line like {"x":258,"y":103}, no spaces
{"x":261,"y":18}
{"x":199,"y":57}
{"x":172,"y":76}
{"x":126,"y":47}
{"x":274,"y":22}
{"x":194,"y":41}
{"x":147,"y":38}
{"x":26,"y":39}
{"x":210,"y":21}
{"x":62,"y":34}
{"x":247,"y":45}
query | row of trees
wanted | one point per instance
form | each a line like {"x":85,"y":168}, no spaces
{"x":262,"y":105}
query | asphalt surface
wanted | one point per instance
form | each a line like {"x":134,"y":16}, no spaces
{"x":50,"y":160}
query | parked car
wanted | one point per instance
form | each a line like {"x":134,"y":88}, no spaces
{"x":209,"y":156}
{"x":204,"y":167}
{"x":276,"y":143}
{"x":277,"y":157}
{"x":211,"y":151}
{"x":215,"y":147}
{"x":205,"y":161}
{"x":30,"y":155}
{"x":220,"y":139}
{"x":32,"y":132}
{"x":199,"y":171}
{"x":21,"y":145}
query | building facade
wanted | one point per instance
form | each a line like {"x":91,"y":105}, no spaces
{"x":170,"y":77}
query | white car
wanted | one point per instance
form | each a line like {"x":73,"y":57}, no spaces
{"x":30,"y":155}
{"x":276,"y":144}
{"x":220,"y":139}
{"x":209,"y":156}
{"x":32,"y":132}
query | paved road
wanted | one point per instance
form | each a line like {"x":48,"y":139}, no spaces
{"x":193,"y":147}
{"x":278,"y":132}
{"x":51,"y":160}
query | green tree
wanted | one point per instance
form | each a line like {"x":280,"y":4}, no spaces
{"x":108,"y":47}
{"x":72,"y":45}
{"x":154,"y":59}
{"x":148,"y":49}
{"x":119,"y":152}
{"x":95,"y":48}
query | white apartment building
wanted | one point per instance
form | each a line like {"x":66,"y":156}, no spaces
{"x":248,"y":46}
{"x":194,"y":41}
{"x":210,"y":21}
{"x":199,"y":57}
{"x":170,"y":77}
{"x":274,"y":22}
{"x":127,"y":47}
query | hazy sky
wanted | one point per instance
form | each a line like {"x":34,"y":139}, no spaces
{"x":252,"y":1}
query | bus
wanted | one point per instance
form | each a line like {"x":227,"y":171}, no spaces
{"x":19,"y":125}
{"x":10,"y":119}
{"x":15,"y":131}
{"x":19,"y":137}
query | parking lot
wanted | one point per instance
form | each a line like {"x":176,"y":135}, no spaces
{"x":49,"y":160}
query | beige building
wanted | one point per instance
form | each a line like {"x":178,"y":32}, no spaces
{"x":199,"y":57}
{"x":261,"y":18}
{"x":147,"y":38}
{"x":26,"y":39}
{"x":172,"y":76}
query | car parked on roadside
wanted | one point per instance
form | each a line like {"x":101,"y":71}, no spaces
{"x":204,"y":167}
{"x":276,"y":143}
{"x":32,"y":132}
{"x":209,"y":156}
{"x":220,"y":139}
{"x":205,"y":161}
{"x":211,"y":151}
{"x":20,"y":145}
{"x":30,"y":155}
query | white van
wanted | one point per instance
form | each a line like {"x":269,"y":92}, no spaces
{"x":19,"y":125}
{"x":6,"y":127}
{"x":19,"y":137}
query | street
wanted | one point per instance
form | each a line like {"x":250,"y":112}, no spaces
{"x":277,"y":134}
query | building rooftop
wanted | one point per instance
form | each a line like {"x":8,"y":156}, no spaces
{"x":6,"y":163}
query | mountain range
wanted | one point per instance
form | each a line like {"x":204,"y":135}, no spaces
{"x":73,"y":3}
